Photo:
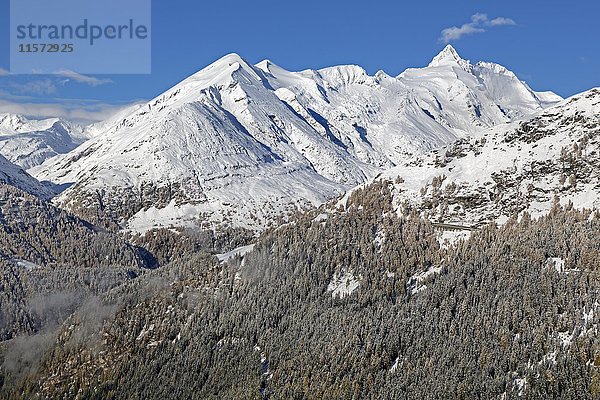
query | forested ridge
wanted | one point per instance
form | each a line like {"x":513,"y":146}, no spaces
{"x":361,"y":302}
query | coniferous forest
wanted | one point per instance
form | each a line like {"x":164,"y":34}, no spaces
{"x":347,"y":303}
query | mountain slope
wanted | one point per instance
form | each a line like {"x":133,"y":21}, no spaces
{"x":51,"y":261}
{"x":34,"y":230}
{"x":495,"y":320}
{"x":523,"y":166}
{"x":241,"y":144}
{"x":11,"y":174}
{"x":29,"y":143}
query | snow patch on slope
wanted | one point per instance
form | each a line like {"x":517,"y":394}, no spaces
{"x":240,"y":251}
{"x":415,"y":283}
{"x":343,"y":284}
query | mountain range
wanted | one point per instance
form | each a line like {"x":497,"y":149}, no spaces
{"x":242,"y":145}
{"x":448,"y":256}
{"x":28,"y":143}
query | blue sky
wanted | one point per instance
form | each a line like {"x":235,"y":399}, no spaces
{"x":553,"y":45}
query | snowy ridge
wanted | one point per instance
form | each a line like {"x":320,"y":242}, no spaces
{"x":29,"y":143}
{"x":241,"y":144}
{"x":12,"y":175}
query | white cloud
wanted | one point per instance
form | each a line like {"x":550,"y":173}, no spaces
{"x":77,"y":77}
{"x":28,"y":95}
{"x":478,"y":24}
{"x":502,"y":21}
{"x":479,"y":18}
{"x":44,"y":84}
{"x":73,"y":110}
{"x":455,"y":33}
{"x":37,"y":87}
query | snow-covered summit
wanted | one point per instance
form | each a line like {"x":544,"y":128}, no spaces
{"x":221,"y":72}
{"x":449,"y":55}
{"x":19,"y":123}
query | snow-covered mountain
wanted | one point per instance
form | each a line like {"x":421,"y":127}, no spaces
{"x":242,"y":144}
{"x":381,"y":119}
{"x":12,"y":175}
{"x":28,"y":142}
{"x":523,"y":166}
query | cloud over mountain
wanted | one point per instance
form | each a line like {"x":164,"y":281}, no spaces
{"x":479,"y":23}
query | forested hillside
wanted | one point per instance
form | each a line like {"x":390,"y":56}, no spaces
{"x":50,"y":264}
{"x":356,"y":303}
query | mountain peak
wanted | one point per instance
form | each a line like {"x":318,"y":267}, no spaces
{"x":230,"y":59}
{"x":446,"y":56}
{"x":270,"y":67}
{"x":264,"y":65}
{"x":12,"y":120}
{"x":344,"y":74}
{"x":20,"y":123}
{"x":222,"y":70}
{"x":227,"y":61}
